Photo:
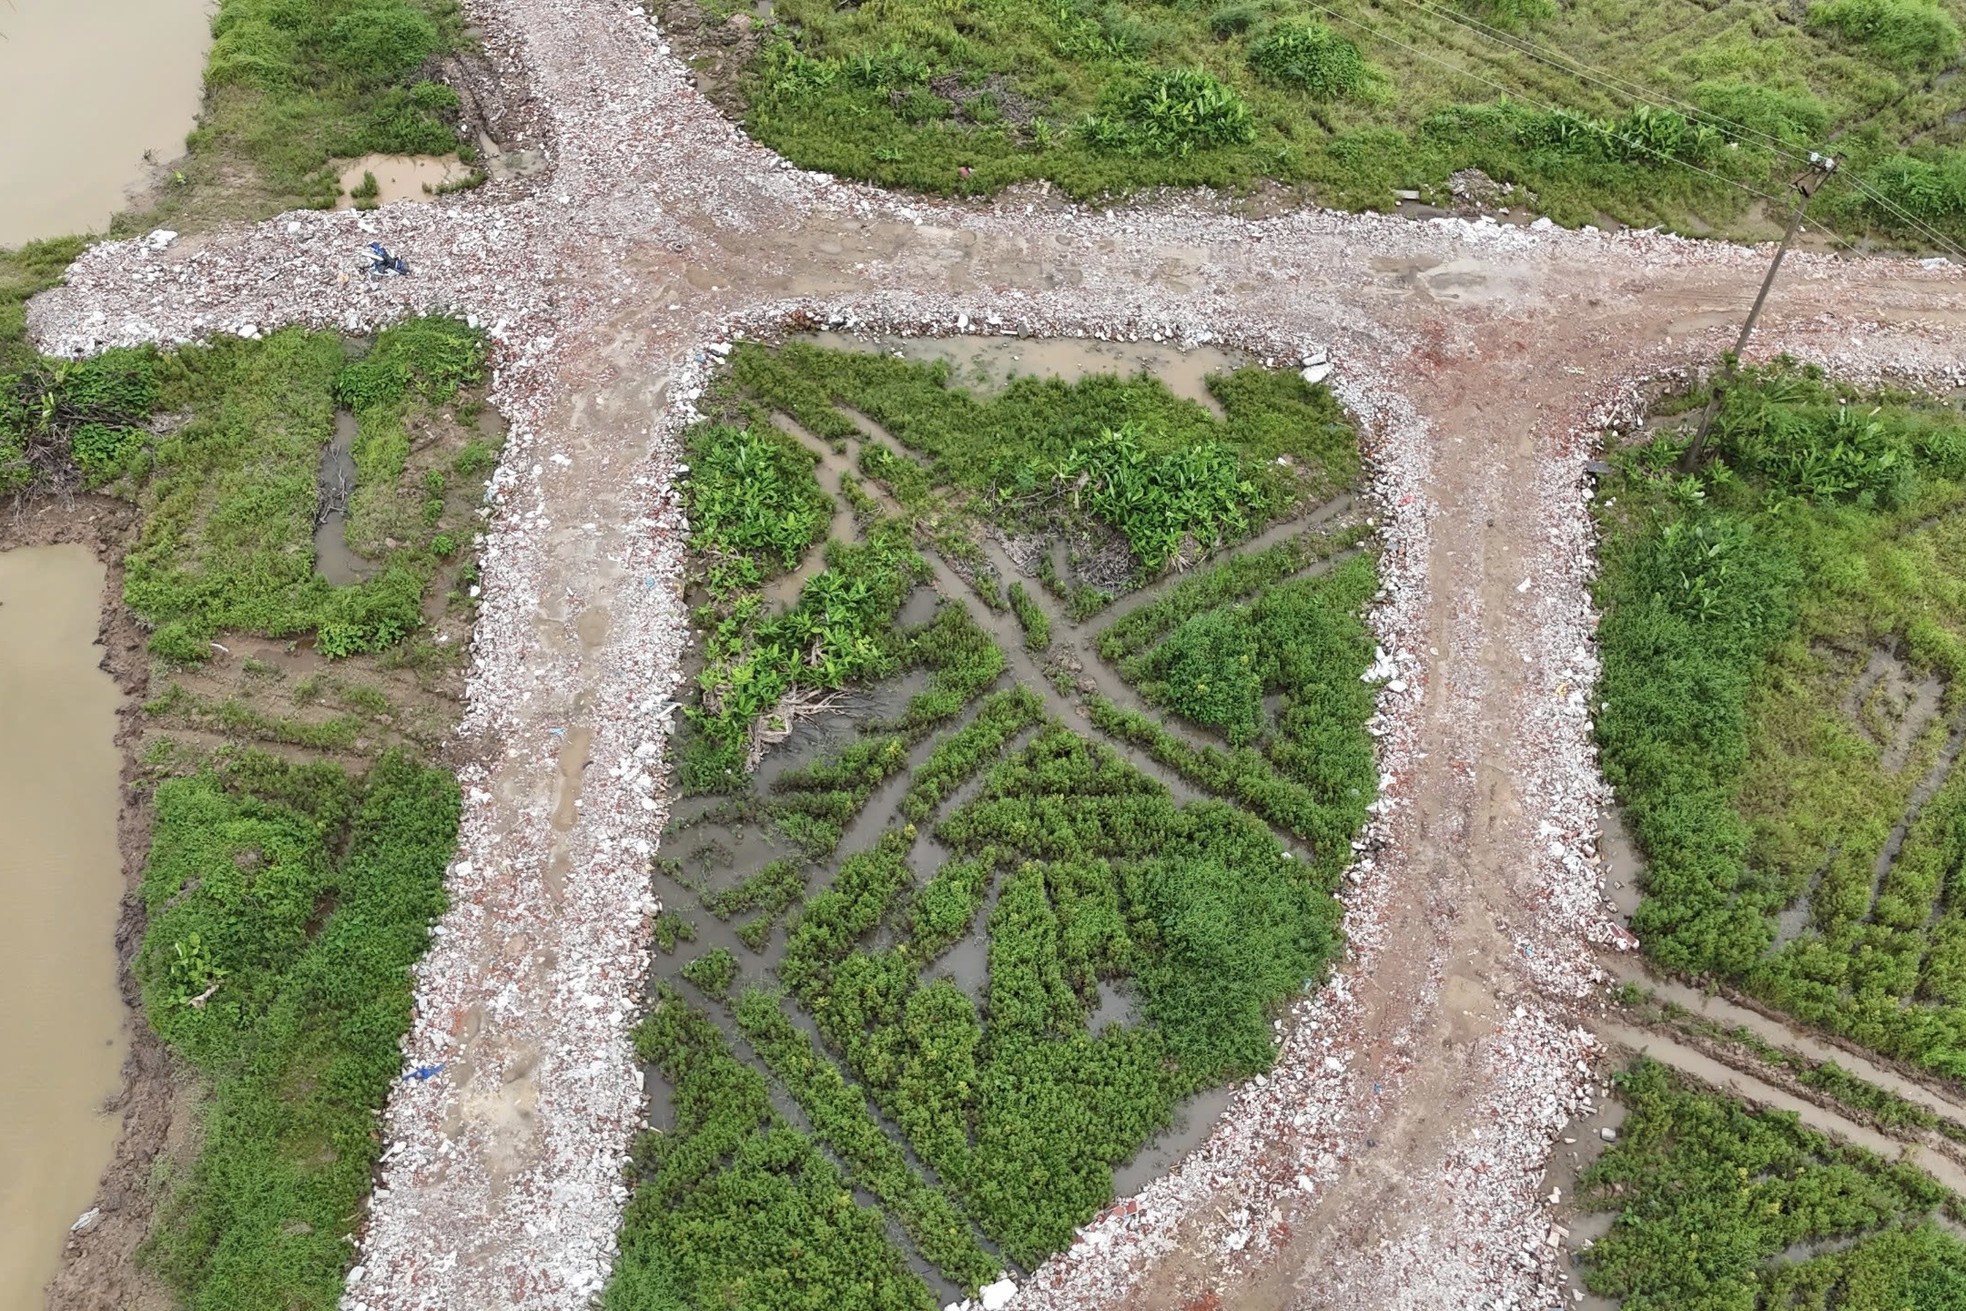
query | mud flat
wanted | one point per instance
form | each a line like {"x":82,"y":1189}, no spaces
{"x":88,"y":90}
{"x":986,"y":365}
{"x":61,"y":878}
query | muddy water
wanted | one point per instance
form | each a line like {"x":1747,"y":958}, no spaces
{"x":333,"y":559}
{"x":60,"y":879}
{"x":401,"y":177}
{"x":986,"y":364}
{"x":86,"y":87}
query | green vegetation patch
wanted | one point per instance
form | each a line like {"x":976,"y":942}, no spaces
{"x":1102,"y":878}
{"x":735,"y":1208}
{"x":289,"y":88}
{"x":230,"y":494}
{"x":286,"y":904}
{"x":1713,"y":1202}
{"x":1009,"y":955}
{"x":220,"y":448}
{"x":1784,"y":649}
{"x":25,"y":272}
{"x":1161,"y":471}
{"x":1671,"y":113}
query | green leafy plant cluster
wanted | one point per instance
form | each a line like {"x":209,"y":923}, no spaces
{"x":1164,"y":504}
{"x":1711,"y":1198}
{"x":1003,"y":450}
{"x":671,"y":928}
{"x":1741,"y":608}
{"x":1311,"y":57}
{"x":1172,"y":112}
{"x":751,"y":493}
{"x":840,"y":630}
{"x":732,"y":1207}
{"x":87,"y":414}
{"x":286,"y":903}
{"x":962,"y":662}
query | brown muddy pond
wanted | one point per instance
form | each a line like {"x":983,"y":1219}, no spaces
{"x":86,"y":88}
{"x":61,"y":880}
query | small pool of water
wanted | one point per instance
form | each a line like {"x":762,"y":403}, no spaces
{"x":61,"y":1028}
{"x":86,"y":88}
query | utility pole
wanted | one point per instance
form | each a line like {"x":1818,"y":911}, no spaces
{"x":1805,"y":185}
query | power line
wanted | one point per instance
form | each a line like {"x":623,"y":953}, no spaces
{"x":1663,"y":100}
{"x":1542,"y":105}
{"x":1566,"y":63}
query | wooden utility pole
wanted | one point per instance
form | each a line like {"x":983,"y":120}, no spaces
{"x":1820,"y":167}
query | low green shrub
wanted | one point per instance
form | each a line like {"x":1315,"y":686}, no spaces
{"x":1103,"y":877}
{"x":713,"y":972}
{"x":1930,"y":186}
{"x":1031,"y":617}
{"x":813,"y":805}
{"x":958,"y":757}
{"x":671,"y":928}
{"x":1209,"y":672}
{"x":1711,"y":1199}
{"x":839,"y":1115}
{"x":772,"y":889}
{"x":1308,"y":56}
{"x":733,"y":1207}
{"x":1172,"y":112}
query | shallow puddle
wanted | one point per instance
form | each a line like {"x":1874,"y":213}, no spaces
{"x":986,"y":364}
{"x":401,"y":177}
{"x":60,"y":878}
{"x":86,"y":88}
{"x":422,"y":178}
{"x":334,"y":560}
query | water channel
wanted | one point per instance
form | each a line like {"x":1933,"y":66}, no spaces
{"x":86,"y":88}
{"x":60,"y":879}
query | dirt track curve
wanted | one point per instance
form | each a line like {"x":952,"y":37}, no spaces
{"x":1393,"y":1158}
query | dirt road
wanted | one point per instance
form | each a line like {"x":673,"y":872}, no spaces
{"x":1393,"y":1157}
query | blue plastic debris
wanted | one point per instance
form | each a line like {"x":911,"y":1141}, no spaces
{"x":424,"y":1072}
